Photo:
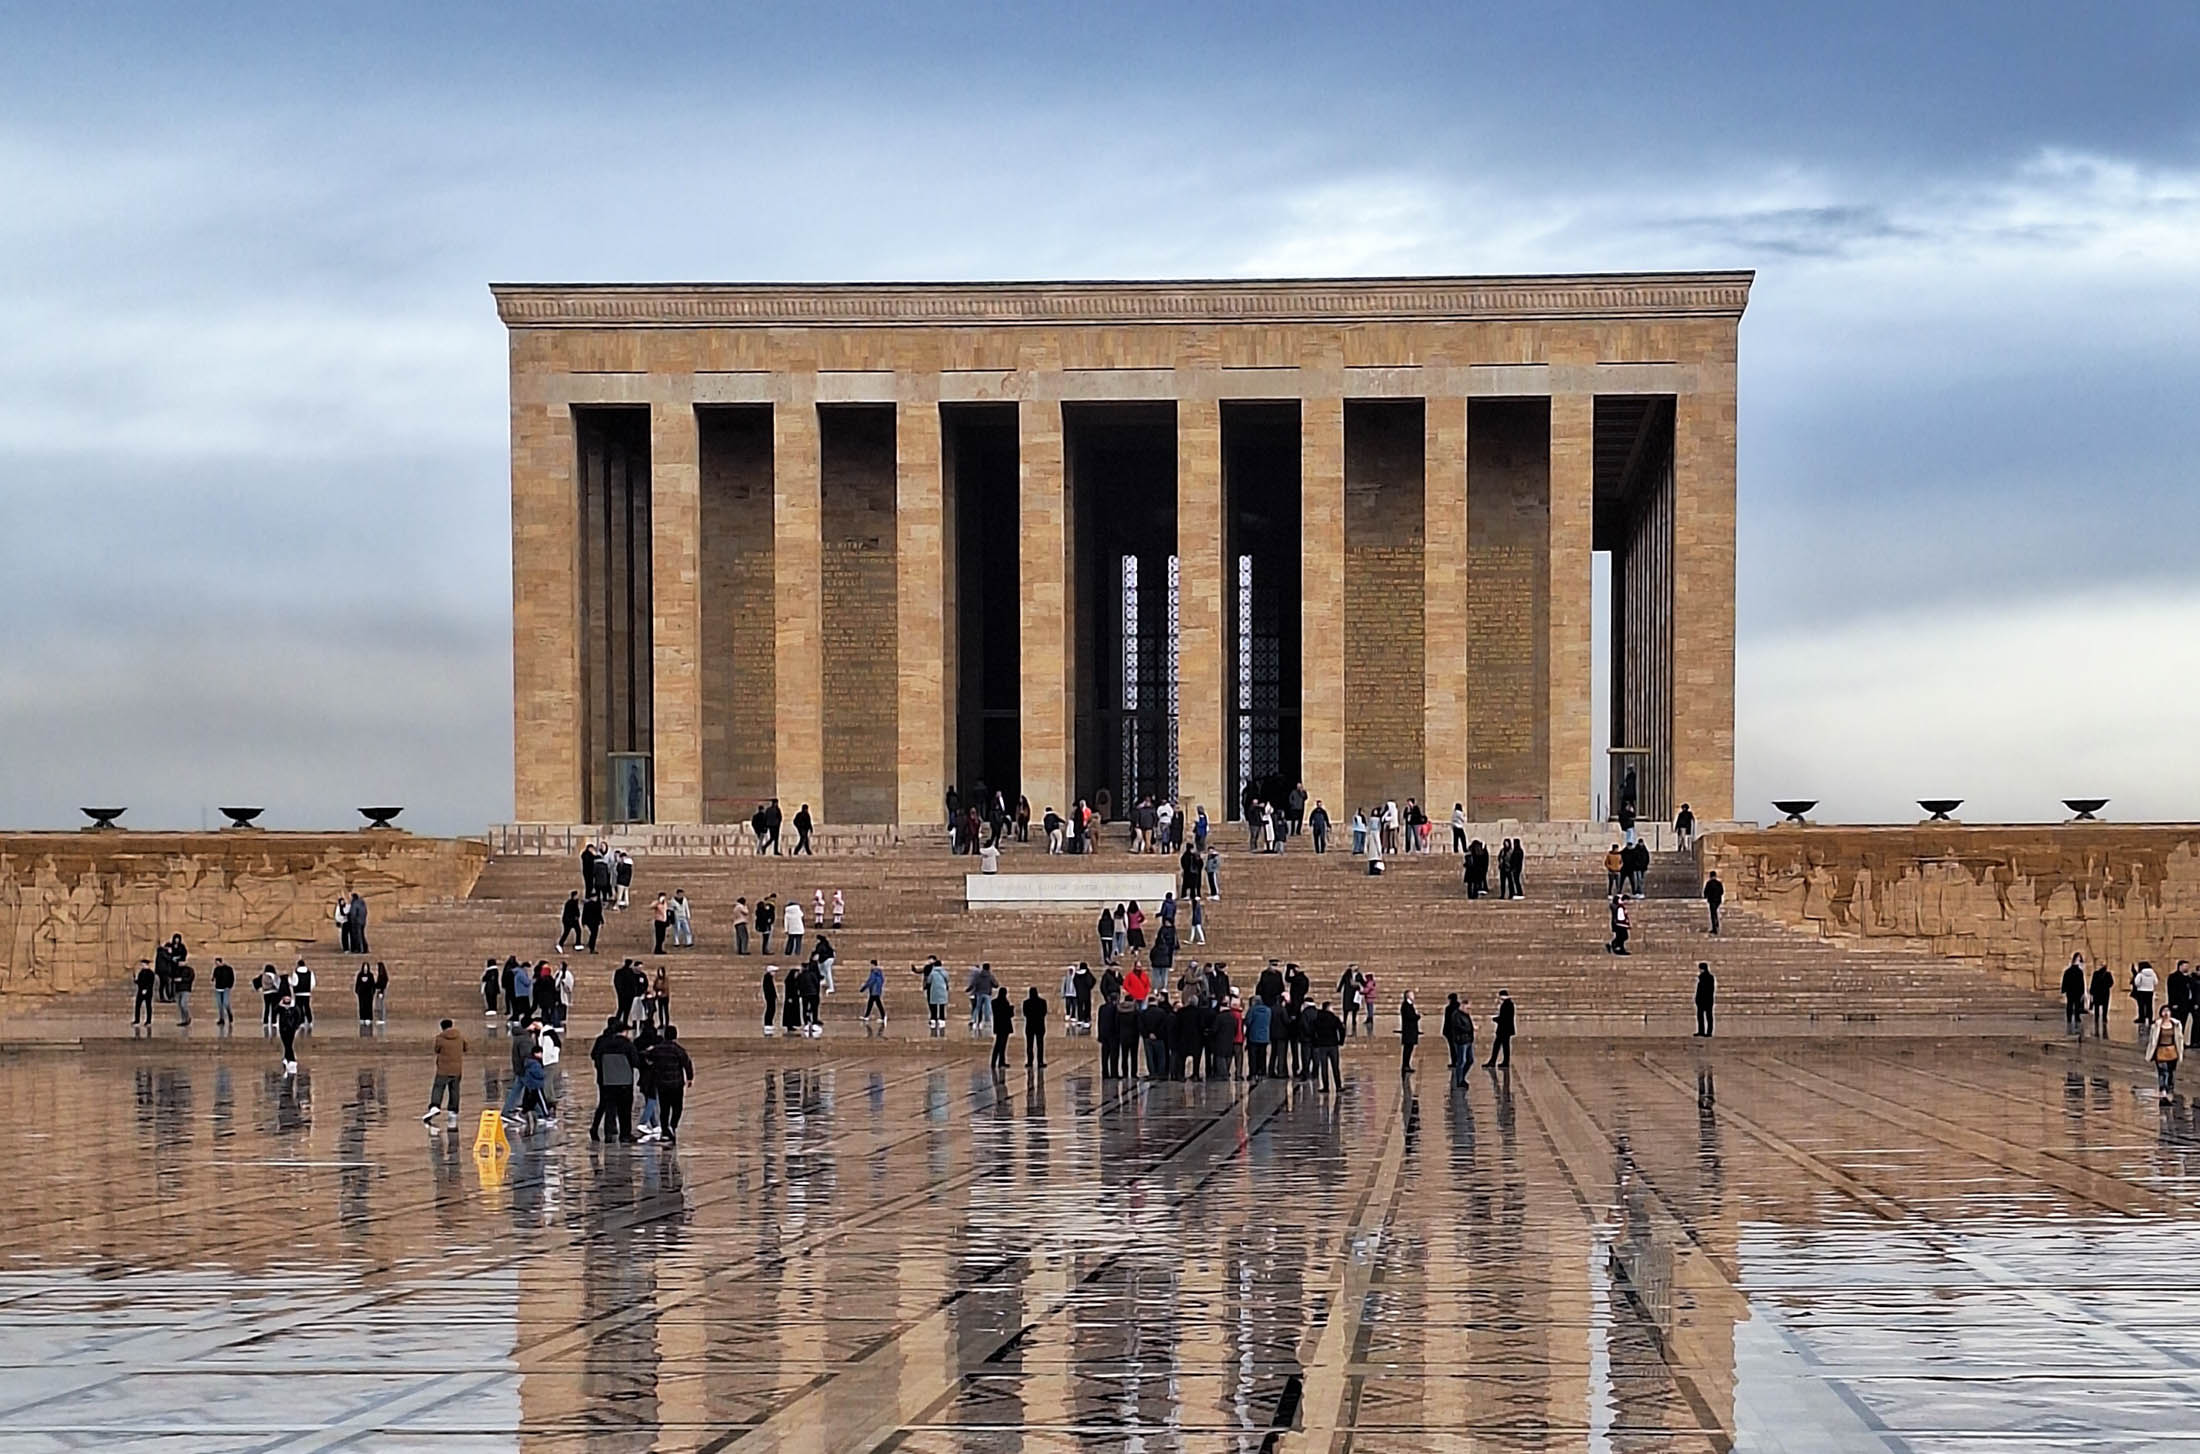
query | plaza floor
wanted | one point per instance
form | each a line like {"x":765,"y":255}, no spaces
{"x":1664,"y":1246}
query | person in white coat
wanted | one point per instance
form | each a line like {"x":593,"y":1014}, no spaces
{"x":2164,"y":1045}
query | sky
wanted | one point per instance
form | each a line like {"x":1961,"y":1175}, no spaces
{"x":252,"y":389}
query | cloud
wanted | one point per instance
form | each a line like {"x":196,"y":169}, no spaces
{"x":2012,"y":708}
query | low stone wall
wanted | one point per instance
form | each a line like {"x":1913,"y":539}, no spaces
{"x":78,"y":910}
{"x":2017,"y":899}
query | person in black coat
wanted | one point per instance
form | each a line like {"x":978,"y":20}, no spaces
{"x":802,"y":826}
{"x":1409,"y":1031}
{"x":2104,"y":985}
{"x":1035,"y":1031}
{"x":1105,"y":1030}
{"x":1004,"y":1019}
{"x":1154,"y":1022}
{"x":1501,"y":1041}
{"x":1714,"y":894}
{"x":1459,"y":1038}
{"x":2073,"y":991}
{"x":591,"y":920}
{"x":1186,"y":1036}
{"x":1707,"y":989}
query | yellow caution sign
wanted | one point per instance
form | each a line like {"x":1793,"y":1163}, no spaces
{"x":489,"y":1137}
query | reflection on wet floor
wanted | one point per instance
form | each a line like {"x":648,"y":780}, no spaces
{"x":1665,"y":1247}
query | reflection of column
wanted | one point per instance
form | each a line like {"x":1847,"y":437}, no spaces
{"x":797,"y":600}
{"x":1199,"y":544}
{"x":1573,"y":479}
{"x":1043,"y":566}
{"x":1703,"y":599}
{"x":919,"y":544}
{"x":1444,"y":608}
{"x":676,"y":613}
{"x":1321,"y":601}
{"x":546,"y":617}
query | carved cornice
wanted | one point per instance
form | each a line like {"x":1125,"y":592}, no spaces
{"x":950,"y":305}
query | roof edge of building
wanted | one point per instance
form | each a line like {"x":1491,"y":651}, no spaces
{"x":1416,"y":299}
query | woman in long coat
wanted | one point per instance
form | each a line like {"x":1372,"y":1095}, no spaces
{"x":1409,"y":1031}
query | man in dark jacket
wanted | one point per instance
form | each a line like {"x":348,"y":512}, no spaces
{"x":1501,"y":1041}
{"x":802,"y":826}
{"x":592,"y":919}
{"x":673,"y":1073}
{"x":1104,"y":1030}
{"x":2103,"y":988}
{"x":2073,"y":992}
{"x":569,"y":921}
{"x":1707,"y":989}
{"x":1324,"y":1034}
{"x":1153,"y":1029}
{"x":1714,"y":894}
{"x":613,"y":1055}
{"x":1035,"y":1031}
{"x":1186,"y":1036}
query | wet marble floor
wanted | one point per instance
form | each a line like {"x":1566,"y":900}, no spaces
{"x":1969,"y":1246}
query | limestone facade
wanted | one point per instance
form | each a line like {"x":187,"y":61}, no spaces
{"x":1448,"y":456}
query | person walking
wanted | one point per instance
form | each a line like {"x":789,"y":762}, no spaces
{"x":1501,"y":1038}
{"x":180,"y":985}
{"x":1622,"y":925}
{"x":1003,"y":1013}
{"x":1459,"y":1038}
{"x":1409,"y":1031}
{"x":1714,"y":894}
{"x":672,"y":1072}
{"x":301,"y":991}
{"x":2104,"y":990}
{"x":270,"y":983}
{"x":1035,"y":1031}
{"x":1318,"y":822}
{"x":874,"y":995}
{"x":1615,"y":864}
{"x":2164,"y":1046}
{"x":225,"y":980}
{"x":802,"y":825}
{"x":592,"y":920}
{"x":771,"y":999}
{"x":935,"y":994}
{"x":288,"y":1017}
{"x":569,"y":921}
{"x":1684,"y":828}
{"x":450,"y":1065}
{"x":1707,"y":990}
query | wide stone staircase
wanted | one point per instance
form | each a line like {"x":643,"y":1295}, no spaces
{"x":1412,"y":927}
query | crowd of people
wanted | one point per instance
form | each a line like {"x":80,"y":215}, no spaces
{"x":2164,"y":1029}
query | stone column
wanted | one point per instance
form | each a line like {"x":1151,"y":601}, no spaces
{"x":797,"y":601}
{"x":920,"y":608}
{"x":1444,"y":610}
{"x":676,"y":613}
{"x":1573,"y":503}
{"x":1703,"y":598}
{"x":1321,"y":603}
{"x":1201,"y":574}
{"x":1042,"y":562}
{"x":547,"y":700}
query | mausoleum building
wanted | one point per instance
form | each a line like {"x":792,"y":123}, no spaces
{"x":846,"y":545}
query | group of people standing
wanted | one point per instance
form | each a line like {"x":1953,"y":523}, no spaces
{"x":1511,"y":860}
